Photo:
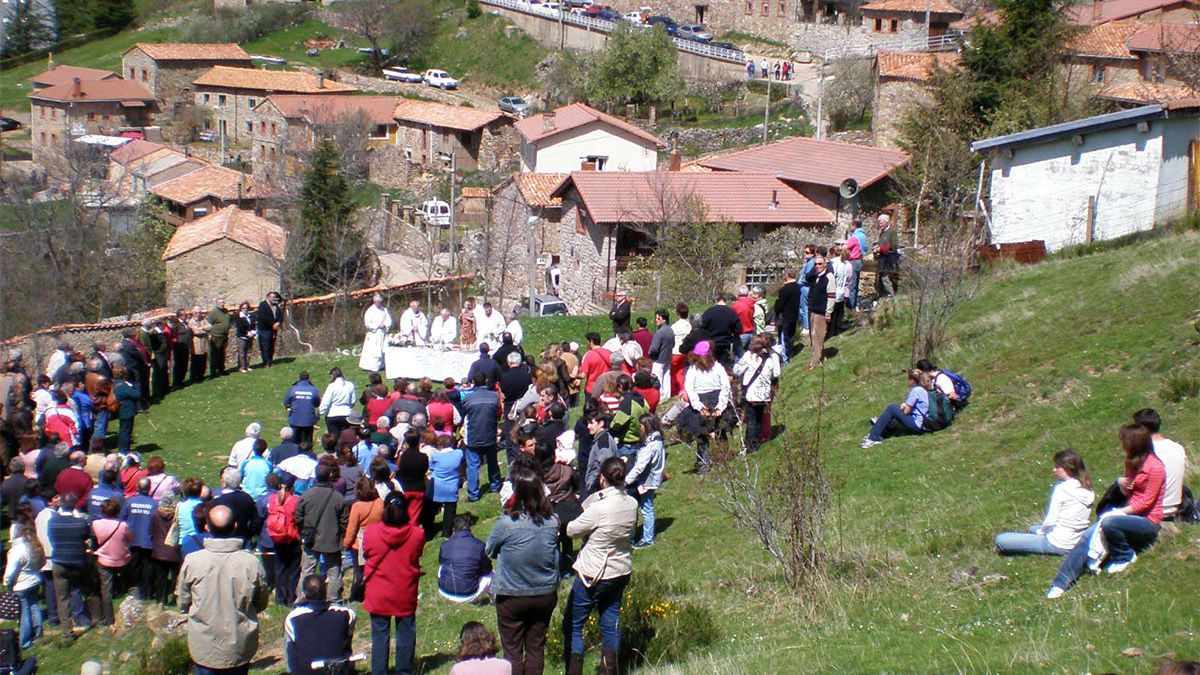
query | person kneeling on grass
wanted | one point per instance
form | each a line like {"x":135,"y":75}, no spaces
{"x":907,"y":418}
{"x":1067,"y":515}
{"x":464,"y":570}
{"x":1126,"y":529}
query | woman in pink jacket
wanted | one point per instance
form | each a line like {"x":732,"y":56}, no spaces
{"x":112,"y":553}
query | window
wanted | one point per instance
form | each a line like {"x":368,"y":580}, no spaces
{"x":1098,"y":74}
{"x":91,"y":116}
{"x":54,"y":113}
{"x":42,"y":111}
{"x":893,"y":26}
{"x":206,"y":98}
{"x":272,"y":152}
{"x":54,"y":138}
{"x":760,"y":276}
{"x":749,"y":6}
{"x":220,"y":99}
{"x":273,"y":131}
{"x":782,"y":7}
{"x":381,"y":131}
{"x":145,"y":75}
{"x":878,"y":25}
{"x":249,"y":127}
{"x":131,"y":72}
{"x":200,"y":212}
{"x":595,"y":162}
{"x":43,"y":138}
{"x":766,"y":7}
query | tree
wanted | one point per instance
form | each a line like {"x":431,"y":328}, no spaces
{"x":144,"y":274}
{"x":637,"y":66}
{"x":28,"y":28}
{"x":325,"y":209}
{"x":400,"y":28}
{"x":114,"y":14}
{"x":849,"y":96}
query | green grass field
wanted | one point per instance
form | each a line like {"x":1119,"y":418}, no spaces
{"x":1059,"y":354}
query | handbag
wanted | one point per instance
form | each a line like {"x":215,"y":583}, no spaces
{"x":10,"y":606}
{"x":358,"y":589}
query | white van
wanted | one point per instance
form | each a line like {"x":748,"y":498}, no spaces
{"x":435,"y":212}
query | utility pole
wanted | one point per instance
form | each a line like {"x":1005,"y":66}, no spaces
{"x":767,"y":108}
{"x":821,"y":99}
{"x":928,"y":11}
{"x":453,"y":215}
{"x":532,"y":263}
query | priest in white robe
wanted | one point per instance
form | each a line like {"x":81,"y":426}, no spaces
{"x":378,"y":321}
{"x":414,"y":325}
{"x":514,"y":329}
{"x":443,"y":332}
{"x":489,"y":325}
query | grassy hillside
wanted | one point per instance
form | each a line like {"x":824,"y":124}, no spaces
{"x":1060,"y":354}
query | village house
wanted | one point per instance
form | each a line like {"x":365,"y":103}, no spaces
{"x":1096,"y":178}
{"x":231,"y":253}
{"x":167,"y":70}
{"x":429,"y":133}
{"x":66,"y":75}
{"x":817,"y":170}
{"x":109,"y":107}
{"x":232,"y":94}
{"x":578,"y":137}
{"x":906,"y":18}
{"x":199,"y":193}
{"x":902,"y":80}
{"x":1104,"y":11}
{"x":139,"y":165}
{"x":287,"y":125}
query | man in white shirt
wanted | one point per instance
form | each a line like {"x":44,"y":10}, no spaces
{"x":444,"y":331}
{"x":59,"y":358}
{"x":378,"y":321}
{"x":414,"y":325}
{"x":489,"y":325}
{"x":681,"y":327}
{"x":337,"y":402}
{"x":242,"y":450}
{"x":514,"y":329}
{"x":1173,"y":458}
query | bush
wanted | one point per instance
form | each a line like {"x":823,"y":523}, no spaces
{"x":1180,"y":386}
{"x":242,"y":26}
{"x":473,"y":9}
{"x":657,"y":625}
{"x":170,"y":658}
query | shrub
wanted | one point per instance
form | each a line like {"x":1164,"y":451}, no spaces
{"x":170,"y":658}
{"x":657,"y":624}
{"x":1180,"y":386}
{"x":473,"y":9}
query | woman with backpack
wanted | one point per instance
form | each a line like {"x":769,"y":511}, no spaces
{"x":285,"y":534}
{"x":905,"y":418}
{"x":1067,"y":515}
{"x":759,"y":370}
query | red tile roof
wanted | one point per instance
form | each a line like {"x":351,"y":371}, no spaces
{"x":94,"y":90}
{"x":1146,"y":92}
{"x":282,"y":81}
{"x":444,"y":116}
{"x":919,"y":6}
{"x":574,"y":116}
{"x":807,"y":160}
{"x":538,"y":188}
{"x":1105,"y":40}
{"x":67,"y":75}
{"x":134,"y":150}
{"x":191,"y":51}
{"x":326,"y":109}
{"x":234,"y":224}
{"x":1178,"y":38}
{"x":211,"y":181}
{"x":627,"y":197}
{"x":1114,"y":10}
{"x":475,"y":193}
{"x":914,"y":66}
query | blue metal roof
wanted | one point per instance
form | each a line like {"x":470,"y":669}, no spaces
{"x":1088,"y":124}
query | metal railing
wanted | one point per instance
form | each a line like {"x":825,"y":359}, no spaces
{"x":604,"y":26}
{"x":935,"y":43}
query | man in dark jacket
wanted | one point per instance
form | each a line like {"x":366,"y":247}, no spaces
{"x":218,"y":337}
{"x":485,"y":365}
{"x":267,"y":320}
{"x":507,"y":346}
{"x":68,"y":534}
{"x":138,"y":515}
{"x":661,"y":346}
{"x":481,"y":410}
{"x":288,"y":447}
{"x":302,"y":402}
{"x":820,"y":308}
{"x":322,"y":515}
{"x":619,"y":314}
{"x":787,"y":312}
{"x":243,"y":506}
{"x":316,"y":630}
{"x":724,"y":328}
{"x":464,"y":572}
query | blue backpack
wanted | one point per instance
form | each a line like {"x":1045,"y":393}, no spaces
{"x":962,"y":388}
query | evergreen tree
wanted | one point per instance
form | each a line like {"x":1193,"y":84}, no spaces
{"x":114,"y":14}
{"x":29,"y":28}
{"x":328,"y":242}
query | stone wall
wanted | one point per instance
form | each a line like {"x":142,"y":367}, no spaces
{"x":889,"y":107}
{"x":587,"y":275}
{"x":389,"y":167}
{"x":220,"y":269}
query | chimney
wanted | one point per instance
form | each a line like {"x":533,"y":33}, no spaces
{"x":321,"y":81}
{"x":774,"y":200}
{"x":1097,"y":10}
{"x":676,"y":160}
{"x":548,"y":120}
{"x":50,"y":61}
{"x":76,"y":87}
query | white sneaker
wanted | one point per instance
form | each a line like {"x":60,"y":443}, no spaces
{"x":1055,"y":593}
{"x":1117,"y":568}
{"x":868,"y":442}
{"x":874,"y":420}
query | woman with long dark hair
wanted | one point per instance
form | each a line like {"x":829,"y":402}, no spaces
{"x":393,"y":552}
{"x":22,"y":574}
{"x":524,"y":543}
{"x":1126,"y":529}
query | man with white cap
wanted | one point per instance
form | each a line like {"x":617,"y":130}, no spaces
{"x":378,"y":321}
{"x":514,"y":329}
{"x":887,"y":256}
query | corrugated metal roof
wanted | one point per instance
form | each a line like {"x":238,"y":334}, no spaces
{"x":1088,"y":124}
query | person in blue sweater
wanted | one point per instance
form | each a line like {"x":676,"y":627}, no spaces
{"x":445,"y":465}
{"x":69,"y":534}
{"x":138,"y":514}
{"x":255,"y":470}
{"x":106,"y":490}
{"x":302,"y":402}
{"x":464,"y":569}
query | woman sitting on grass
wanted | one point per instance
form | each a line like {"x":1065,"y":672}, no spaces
{"x":1067,"y":515}
{"x":907,"y":418}
{"x":1127,"y":529}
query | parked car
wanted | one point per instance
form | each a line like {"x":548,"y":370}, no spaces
{"x":579,"y":3}
{"x":666,"y":22}
{"x":543,"y":305}
{"x":402,"y":75}
{"x":312,"y":51}
{"x":435,"y":212}
{"x":367,"y":50}
{"x":608,"y":14}
{"x":632,"y":17}
{"x":515,"y":105}
{"x":9,"y":124}
{"x":595,"y":8}
{"x":269,"y":60}
{"x":440,"y":79}
{"x":695,"y":31}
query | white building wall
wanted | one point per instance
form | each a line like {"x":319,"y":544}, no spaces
{"x":565,"y":152}
{"x":1042,"y":191}
{"x":1178,"y":134}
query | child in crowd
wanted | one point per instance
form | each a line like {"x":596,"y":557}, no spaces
{"x":1067,"y":515}
{"x":646,"y":475}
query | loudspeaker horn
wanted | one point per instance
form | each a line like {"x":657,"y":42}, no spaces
{"x":848,"y":189}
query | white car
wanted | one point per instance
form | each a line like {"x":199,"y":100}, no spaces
{"x":402,"y":75}
{"x":440,"y":79}
{"x":632,"y":17}
{"x":435,"y":212}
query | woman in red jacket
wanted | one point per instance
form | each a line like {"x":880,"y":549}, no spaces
{"x":393,"y":569}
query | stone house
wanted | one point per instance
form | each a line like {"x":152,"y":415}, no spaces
{"x":902,"y":80}
{"x":139,"y":165}
{"x":232,"y":94}
{"x":199,"y":193}
{"x":429,"y":133}
{"x":104,"y":107}
{"x":229,"y":253}
{"x":608,"y":218}
{"x":1096,"y":178}
{"x":168,"y":70}
{"x":1103,"y":11}
{"x":817,"y":169}
{"x":1099,"y":53}
{"x":66,"y":75}
{"x":578,"y":137}
{"x":499,"y":253}
{"x":286,"y":126}
{"x":906,"y":18}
